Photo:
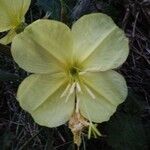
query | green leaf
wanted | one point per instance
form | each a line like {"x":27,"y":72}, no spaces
{"x":125,"y":128}
{"x":5,"y":140}
{"x":53,"y":7}
{"x":134,"y":104}
{"x":126,"y":132}
{"x":4,"y":76}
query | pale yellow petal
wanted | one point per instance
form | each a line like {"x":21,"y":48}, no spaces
{"x":40,"y":95}
{"x":44,"y":47}
{"x":99,"y":43}
{"x":109,"y":89}
{"x":12,"y":13}
{"x":7,"y":39}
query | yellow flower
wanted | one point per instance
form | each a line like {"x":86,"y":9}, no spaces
{"x":12,"y":14}
{"x":72,"y":69}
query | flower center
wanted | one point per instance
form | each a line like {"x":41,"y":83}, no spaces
{"x":75,"y":83}
{"x":73,"y":71}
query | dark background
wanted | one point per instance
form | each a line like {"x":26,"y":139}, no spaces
{"x":129,"y":127}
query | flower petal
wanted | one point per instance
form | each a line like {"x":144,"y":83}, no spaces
{"x":43,"y":47}
{"x":40,"y":95}
{"x":109,"y":90}
{"x":12,"y":13}
{"x":8,"y":38}
{"x":99,"y":43}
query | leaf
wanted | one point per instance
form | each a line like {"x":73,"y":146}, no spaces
{"x":126,"y":132}
{"x":134,"y":104}
{"x":4,"y":76}
{"x":125,"y":128}
{"x":82,"y":7}
{"x":5,"y":140}
{"x":53,"y":7}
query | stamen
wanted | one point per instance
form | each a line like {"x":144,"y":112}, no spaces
{"x":71,"y":90}
{"x":78,"y":87}
{"x":83,"y":72}
{"x":96,"y":69}
{"x":66,"y":90}
{"x":90,"y":92}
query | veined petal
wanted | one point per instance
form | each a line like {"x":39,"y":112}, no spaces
{"x":8,"y":38}
{"x":40,"y":95}
{"x":109,"y":89}
{"x":12,"y":13}
{"x":99,"y":43}
{"x":43,"y":47}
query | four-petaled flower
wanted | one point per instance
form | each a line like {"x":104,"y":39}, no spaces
{"x":72,"y":69}
{"x":12,"y":19}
